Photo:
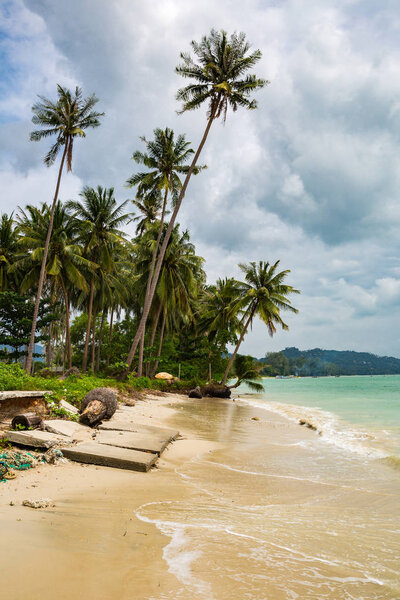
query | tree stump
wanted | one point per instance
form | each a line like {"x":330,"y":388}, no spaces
{"x":97,"y":405}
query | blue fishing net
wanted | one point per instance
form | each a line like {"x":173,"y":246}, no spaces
{"x":17,"y":461}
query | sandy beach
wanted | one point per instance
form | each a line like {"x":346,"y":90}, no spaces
{"x":237,"y":508}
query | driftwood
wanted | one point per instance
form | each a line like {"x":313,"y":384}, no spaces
{"x":97,"y":405}
{"x":27,"y":421}
{"x":216,"y":390}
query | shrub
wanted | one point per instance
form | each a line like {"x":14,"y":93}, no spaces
{"x":13,"y":377}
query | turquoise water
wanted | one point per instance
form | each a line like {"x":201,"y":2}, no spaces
{"x":369,"y":404}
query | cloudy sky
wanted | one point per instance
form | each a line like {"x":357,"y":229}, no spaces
{"x":311,"y":178}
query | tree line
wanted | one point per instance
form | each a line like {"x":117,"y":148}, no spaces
{"x":127,"y":304}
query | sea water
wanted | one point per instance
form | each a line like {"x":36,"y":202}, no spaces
{"x":284,"y":512}
{"x":361,"y":413}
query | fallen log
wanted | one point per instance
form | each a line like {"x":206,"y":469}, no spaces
{"x":26,"y":421}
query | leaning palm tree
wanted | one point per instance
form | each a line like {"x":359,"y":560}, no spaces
{"x":98,"y":218}
{"x":247,"y":371}
{"x":220,"y":73}
{"x":263,"y":294}
{"x":67,"y":118}
{"x":166,"y":159}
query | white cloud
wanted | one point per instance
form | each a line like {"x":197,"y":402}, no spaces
{"x":312,"y":177}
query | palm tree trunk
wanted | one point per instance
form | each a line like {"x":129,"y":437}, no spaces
{"x":67,"y":328}
{"x":42,"y":276}
{"x":103,"y":315}
{"x":153,"y":335}
{"x":160,"y":343}
{"x":150,"y":278}
{"x":110,"y":333}
{"x":93,"y":342}
{"x":140,"y":362}
{"x":244,"y":330}
{"x":149,"y":299}
{"x":89,"y":323}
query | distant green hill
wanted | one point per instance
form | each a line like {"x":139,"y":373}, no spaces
{"x":292,"y":361}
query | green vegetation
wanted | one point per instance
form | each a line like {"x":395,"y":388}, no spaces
{"x":138,"y":305}
{"x":318,"y":362}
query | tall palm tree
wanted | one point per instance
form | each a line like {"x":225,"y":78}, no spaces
{"x":67,"y":118}
{"x":263,"y":294}
{"x":220,"y":73}
{"x":65,"y":266}
{"x":8,"y":249}
{"x":98,"y":218}
{"x":166,"y":159}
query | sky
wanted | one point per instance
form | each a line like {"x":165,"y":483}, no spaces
{"x":311,"y":178}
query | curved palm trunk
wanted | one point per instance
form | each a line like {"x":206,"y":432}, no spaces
{"x":89,"y":324}
{"x":160,"y":343}
{"x":148,"y":286}
{"x":140,"y":362}
{"x":67,"y":327}
{"x":244,"y":330}
{"x":42,"y":276}
{"x":153,"y":336}
{"x":148,"y":301}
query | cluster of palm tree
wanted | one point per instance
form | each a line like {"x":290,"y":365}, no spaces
{"x":78,"y":254}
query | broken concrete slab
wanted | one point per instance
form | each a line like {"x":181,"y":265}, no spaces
{"x":110,"y":456}
{"x":35,"y":439}
{"x":15,"y":402}
{"x":16,"y":394}
{"x":69,"y":407}
{"x":144,"y":442}
{"x":68,"y":428}
{"x":126,"y":425}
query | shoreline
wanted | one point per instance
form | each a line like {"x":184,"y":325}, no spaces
{"x":119,"y":534}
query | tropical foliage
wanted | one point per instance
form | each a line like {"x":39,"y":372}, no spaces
{"x":124,"y":306}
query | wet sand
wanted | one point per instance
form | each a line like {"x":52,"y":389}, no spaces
{"x":237,"y":509}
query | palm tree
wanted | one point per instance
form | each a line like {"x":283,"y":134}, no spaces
{"x":165,"y":160}
{"x":181,"y":277}
{"x":8,"y":249}
{"x":220,"y":80}
{"x":66,"y":118}
{"x":98,"y":218}
{"x":150,"y":207}
{"x":216,"y":319}
{"x":263,"y":294}
{"x":247,"y":371}
{"x":65,"y":264}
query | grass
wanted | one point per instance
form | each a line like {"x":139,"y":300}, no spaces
{"x":73,"y":389}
